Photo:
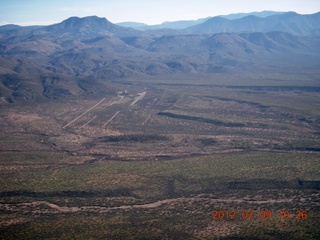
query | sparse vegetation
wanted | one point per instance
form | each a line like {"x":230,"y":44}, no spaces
{"x":170,"y":172}
{"x":135,"y":138}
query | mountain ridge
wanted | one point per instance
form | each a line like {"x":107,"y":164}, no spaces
{"x":181,"y":24}
{"x":290,"y":22}
{"x":61,"y":60}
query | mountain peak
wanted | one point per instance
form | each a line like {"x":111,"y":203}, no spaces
{"x":86,"y":19}
{"x":91,"y":21}
{"x":291,"y":13}
{"x":88,"y":27}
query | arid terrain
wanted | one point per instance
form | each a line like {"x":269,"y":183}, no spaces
{"x":136,"y":136}
{"x":158,"y":160}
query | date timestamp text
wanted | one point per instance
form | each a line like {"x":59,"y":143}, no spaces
{"x":262,"y":214}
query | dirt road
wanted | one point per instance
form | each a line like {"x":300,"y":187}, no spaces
{"x":111,"y":119}
{"x":140,"y":97}
{"x":36,"y":206}
{"x":88,"y":110}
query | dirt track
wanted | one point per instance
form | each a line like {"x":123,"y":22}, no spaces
{"x":35,"y":206}
{"x":88,"y":110}
{"x":111,"y":119}
{"x":141,"y":96}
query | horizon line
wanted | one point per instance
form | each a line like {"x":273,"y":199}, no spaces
{"x":48,"y":23}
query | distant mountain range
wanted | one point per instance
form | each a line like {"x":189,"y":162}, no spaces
{"x":290,"y":22}
{"x":266,"y":21}
{"x":79,"y":54}
{"x":188,"y":23}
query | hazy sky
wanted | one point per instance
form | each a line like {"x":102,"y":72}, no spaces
{"x":44,"y":12}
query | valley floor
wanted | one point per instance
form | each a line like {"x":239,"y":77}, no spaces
{"x":157,"y":161}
